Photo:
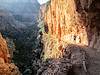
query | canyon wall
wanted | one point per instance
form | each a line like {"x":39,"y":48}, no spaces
{"x":6,"y":67}
{"x":3,"y":50}
{"x":70,"y":22}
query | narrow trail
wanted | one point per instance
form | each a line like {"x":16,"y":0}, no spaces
{"x":93,"y":61}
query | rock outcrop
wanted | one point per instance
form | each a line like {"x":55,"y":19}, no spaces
{"x":3,"y":50}
{"x":71,"y":22}
{"x":6,"y":67}
{"x":72,"y":32}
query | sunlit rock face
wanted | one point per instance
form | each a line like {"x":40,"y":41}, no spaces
{"x":6,"y":67}
{"x":65,"y":25}
{"x":70,"y":22}
{"x":3,"y":49}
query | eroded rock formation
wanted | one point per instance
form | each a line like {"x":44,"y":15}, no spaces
{"x":6,"y":67}
{"x":71,"y":22}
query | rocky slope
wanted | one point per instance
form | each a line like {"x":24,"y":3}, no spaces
{"x":6,"y":67}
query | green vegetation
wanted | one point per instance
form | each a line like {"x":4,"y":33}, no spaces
{"x":41,"y":26}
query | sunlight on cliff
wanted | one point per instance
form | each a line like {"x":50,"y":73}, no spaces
{"x":66,"y":26}
{"x":3,"y":50}
{"x":6,"y":67}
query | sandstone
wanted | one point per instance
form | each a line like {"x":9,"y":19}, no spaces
{"x":6,"y":67}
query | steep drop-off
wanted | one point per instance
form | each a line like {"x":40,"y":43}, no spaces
{"x":70,"y":22}
{"x":71,"y":37}
{"x":18,"y":24}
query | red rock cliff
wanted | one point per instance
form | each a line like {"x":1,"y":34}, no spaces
{"x":71,"y":22}
{"x":6,"y":67}
{"x":3,"y":49}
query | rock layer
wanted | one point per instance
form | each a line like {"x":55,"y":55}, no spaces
{"x":71,"y":22}
{"x":6,"y":67}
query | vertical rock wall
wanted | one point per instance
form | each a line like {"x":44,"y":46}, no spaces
{"x":3,"y":50}
{"x":70,"y":22}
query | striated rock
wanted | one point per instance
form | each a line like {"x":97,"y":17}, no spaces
{"x":3,"y":49}
{"x":71,"y":22}
{"x":6,"y":68}
{"x":72,"y":32}
{"x":65,"y":25}
{"x":2,"y":61}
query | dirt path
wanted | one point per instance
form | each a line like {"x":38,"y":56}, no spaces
{"x":72,"y":62}
{"x":93,"y":61}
